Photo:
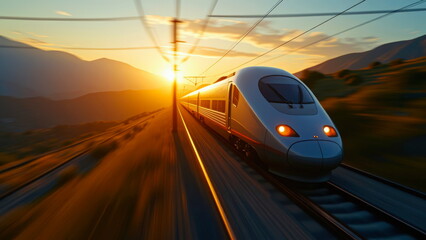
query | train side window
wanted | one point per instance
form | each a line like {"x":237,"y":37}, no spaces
{"x":221,"y":105}
{"x":214,"y":104}
{"x":205,"y":103}
{"x":235,"y":96}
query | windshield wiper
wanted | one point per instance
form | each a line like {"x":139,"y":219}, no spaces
{"x":300,"y":96}
{"x":283,"y":99}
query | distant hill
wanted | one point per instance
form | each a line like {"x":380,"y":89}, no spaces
{"x":20,"y":114}
{"x":32,"y":72}
{"x":408,"y":49}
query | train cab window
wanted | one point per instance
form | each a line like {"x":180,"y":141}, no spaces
{"x":235,"y":96}
{"x":281,"y":89}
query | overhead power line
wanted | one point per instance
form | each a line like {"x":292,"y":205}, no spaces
{"x":142,"y":19}
{"x":82,"y":48}
{"x":316,"y":14}
{"x":201,"y":34}
{"x":134,"y":18}
{"x":403,"y":9}
{"x":292,"y":39}
{"x":62,"y":19}
{"x":244,"y":35}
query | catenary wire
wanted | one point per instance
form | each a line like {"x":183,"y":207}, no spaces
{"x":81,"y":48}
{"x":201,"y":34}
{"x":347,"y":30}
{"x":243,"y":36}
{"x":133,"y":18}
{"x":316,"y":14}
{"x":290,"y":40}
{"x":142,"y":19}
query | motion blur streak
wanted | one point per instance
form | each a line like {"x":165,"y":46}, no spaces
{"x":212,"y":190}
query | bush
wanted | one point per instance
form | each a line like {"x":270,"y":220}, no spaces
{"x":311,"y":77}
{"x":66,"y":175}
{"x":396,"y":62}
{"x":374,"y":64}
{"x":342,"y":73}
{"x":353,"y":79}
{"x":409,"y":79}
{"x":103,"y":149}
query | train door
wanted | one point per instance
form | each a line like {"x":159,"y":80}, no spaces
{"x":228,"y":122}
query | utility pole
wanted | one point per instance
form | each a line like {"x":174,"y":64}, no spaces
{"x":175,"y":22}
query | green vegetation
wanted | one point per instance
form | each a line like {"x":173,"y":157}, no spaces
{"x":380,"y":113}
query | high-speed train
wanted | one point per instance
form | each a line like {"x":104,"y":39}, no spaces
{"x":270,"y":113}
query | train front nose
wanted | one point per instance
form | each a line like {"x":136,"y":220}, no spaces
{"x":315,"y":154}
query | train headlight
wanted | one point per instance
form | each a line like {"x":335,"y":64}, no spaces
{"x":286,"y":131}
{"x":330,"y":131}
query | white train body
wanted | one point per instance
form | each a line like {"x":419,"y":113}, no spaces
{"x":274,"y":113}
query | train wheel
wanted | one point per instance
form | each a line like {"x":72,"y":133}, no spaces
{"x":238,"y":144}
{"x":249,"y":152}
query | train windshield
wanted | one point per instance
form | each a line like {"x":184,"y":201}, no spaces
{"x":281,"y":89}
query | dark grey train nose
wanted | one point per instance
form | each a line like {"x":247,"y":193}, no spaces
{"x":316,"y":154}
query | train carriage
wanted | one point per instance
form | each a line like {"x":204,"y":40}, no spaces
{"x":270,"y":113}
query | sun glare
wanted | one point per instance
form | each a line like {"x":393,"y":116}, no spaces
{"x":170,"y":75}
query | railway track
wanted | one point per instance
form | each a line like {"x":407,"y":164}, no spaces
{"x":10,"y":191}
{"x":396,"y":185}
{"x":343,"y":213}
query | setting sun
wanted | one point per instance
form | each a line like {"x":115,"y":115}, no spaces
{"x":170,"y":75}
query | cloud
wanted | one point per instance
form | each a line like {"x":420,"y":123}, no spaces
{"x":38,"y":35}
{"x":36,"y":42}
{"x":63,"y":13}
{"x":266,"y":37}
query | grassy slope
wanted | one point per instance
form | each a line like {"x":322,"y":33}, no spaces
{"x":382,"y":119}
{"x":16,"y":146}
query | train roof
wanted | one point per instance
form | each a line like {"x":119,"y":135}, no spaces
{"x":245,"y":78}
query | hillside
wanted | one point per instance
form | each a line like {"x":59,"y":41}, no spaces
{"x":32,"y":72}
{"x":380,"y":114}
{"x":408,"y":49}
{"x":21,"y":114}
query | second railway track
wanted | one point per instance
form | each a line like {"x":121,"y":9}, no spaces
{"x":10,"y":191}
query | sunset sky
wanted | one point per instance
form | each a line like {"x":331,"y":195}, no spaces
{"x":220,"y":35}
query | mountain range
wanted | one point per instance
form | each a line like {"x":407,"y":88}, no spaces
{"x":26,"y":71}
{"x":408,"y":49}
